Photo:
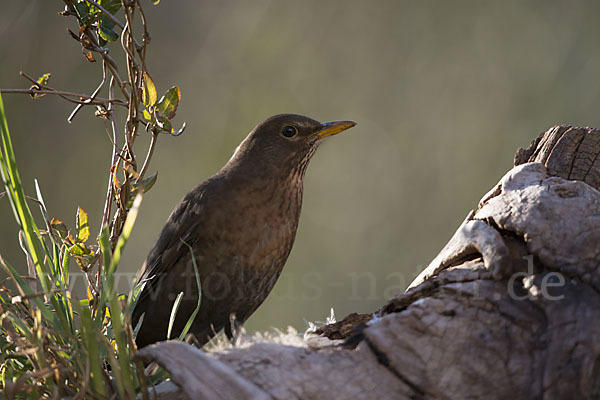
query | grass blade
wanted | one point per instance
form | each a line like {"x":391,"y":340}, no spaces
{"x":24,"y":288}
{"x":190,"y":320}
{"x":127,"y":228}
{"x":126,"y":387}
{"x":176,"y":305}
{"x":88,"y":333}
{"x":16,"y":194}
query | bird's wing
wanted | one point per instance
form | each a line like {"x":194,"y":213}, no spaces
{"x":183,"y":225}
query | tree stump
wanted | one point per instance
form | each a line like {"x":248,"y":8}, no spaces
{"x":510,"y":308}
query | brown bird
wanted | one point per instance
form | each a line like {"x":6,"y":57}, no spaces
{"x":240,"y":225}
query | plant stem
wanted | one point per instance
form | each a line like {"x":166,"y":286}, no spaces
{"x":149,"y":155}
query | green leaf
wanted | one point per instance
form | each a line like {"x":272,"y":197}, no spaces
{"x":92,"y":9}
{"x":146,"y":183}
{"x":147,"y":116}
{"x":60,"y":228}
{"x":83,"y":228}
{"x":80,"y":250}
{"x":149,"y":91}
{"x":81,"y":254}
{"x":167,"y":105}
{"x":179,"y":132}
{"x":164,"y":124}
{"x":105,"y":29}
{"x":84,"y":11}
{"x":43,"y":80}
{"x":155,"y":2}
{"x":112,"y":6}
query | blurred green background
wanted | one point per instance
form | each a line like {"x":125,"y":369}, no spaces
{"x":443,"y":93}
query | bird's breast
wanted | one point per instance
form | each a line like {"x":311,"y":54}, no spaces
{"x":267,"y":224}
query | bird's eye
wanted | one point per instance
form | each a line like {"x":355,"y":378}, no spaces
{"x":289,"y":131}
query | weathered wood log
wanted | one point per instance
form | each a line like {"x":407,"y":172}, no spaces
{"x":199,"y":375}
{"x":510,"y":308}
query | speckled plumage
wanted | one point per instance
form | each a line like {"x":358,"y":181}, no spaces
{"x":241,"y":225}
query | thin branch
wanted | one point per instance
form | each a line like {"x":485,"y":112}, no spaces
{"x":30,"y":79}
{"x":40,"y":86}
{"x":126,"y":35}
{"x":145,"y":35}
{"x":97,"y":101}
{"x":115,"y":73}
{"x":112,"y":65}
{"x":113,"y":162}
{"x":134,"y":78}
{"x":115,"y":139}
{"x":91,"y":282}
{"x":94,"y":94}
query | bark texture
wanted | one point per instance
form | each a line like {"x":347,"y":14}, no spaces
{"x":510,"y":307}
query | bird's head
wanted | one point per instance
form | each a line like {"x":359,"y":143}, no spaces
{"x":285,"y":142}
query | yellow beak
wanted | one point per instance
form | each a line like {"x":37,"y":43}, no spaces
{"x":331,"y":128}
